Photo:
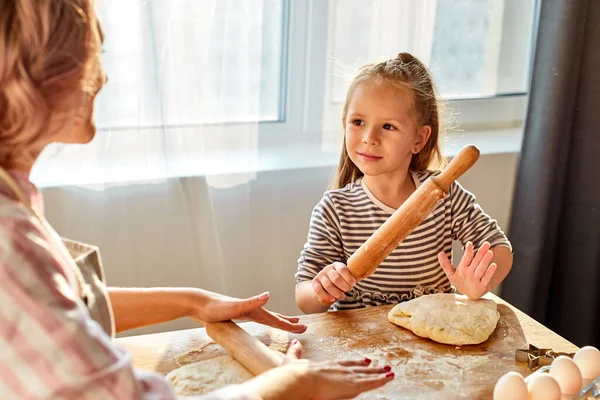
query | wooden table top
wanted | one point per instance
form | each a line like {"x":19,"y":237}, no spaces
{"x":424,"y":369}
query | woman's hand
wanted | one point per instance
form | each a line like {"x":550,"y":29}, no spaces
{"x":214,"y":307}
{"x":474,"y":272}
{"x":324,"y":380}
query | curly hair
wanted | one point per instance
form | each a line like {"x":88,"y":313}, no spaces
{"x":49,"y":51}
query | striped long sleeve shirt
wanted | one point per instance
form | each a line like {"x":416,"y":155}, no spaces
{"x":345,"y":218}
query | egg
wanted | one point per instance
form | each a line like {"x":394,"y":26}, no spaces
{"x":566,"y":373}
{"x":511,"y":386}
{"x":543,"y":387}
{"x":588,"y":362}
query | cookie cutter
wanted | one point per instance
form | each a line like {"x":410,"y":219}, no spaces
{"x":536,"y":357}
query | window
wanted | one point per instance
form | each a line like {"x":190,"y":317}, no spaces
{"x":225,"y":86}
{"x":195,"y":62}
{"x":182,"y":62}
{"x":460,"y":40}
{"x":478,"y":52}
{"x":481,"y":48}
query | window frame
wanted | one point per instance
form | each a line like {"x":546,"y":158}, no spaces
{"x":474,"y":113}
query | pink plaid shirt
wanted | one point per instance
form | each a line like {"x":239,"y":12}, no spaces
{"x":50,"y":347}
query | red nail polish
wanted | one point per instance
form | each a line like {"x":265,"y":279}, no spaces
{"x":367,"y":360}
{"x":387,"y":368}
{"x":389,"y":375}
{"x":295,"y":341}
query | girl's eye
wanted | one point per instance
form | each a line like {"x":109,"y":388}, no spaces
{"x":388,"y":127}
{"x":358,"y":122}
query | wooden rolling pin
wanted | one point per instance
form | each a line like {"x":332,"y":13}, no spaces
{"x":257,"y":357}
{"x":242,"y":346}
{"x":411,"y":213}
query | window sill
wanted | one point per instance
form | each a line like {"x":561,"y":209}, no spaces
{"x":489,"y":142}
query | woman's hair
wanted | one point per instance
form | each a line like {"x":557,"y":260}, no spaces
{"x":410,"y":75}
{"x":49,"y":54}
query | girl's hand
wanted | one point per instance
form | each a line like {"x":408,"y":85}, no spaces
{"x":323,"y":380}
{"x":332,"y":282}
{"x":474,"y":273}
{"x":214,"y":307}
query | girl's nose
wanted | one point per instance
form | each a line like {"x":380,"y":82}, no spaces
{"x":370,"y":136}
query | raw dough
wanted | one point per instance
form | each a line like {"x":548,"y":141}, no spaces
{"x":208,"y":375}
{"x":448,"y":318}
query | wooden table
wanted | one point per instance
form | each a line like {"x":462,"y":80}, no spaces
{"x":424,"y":369}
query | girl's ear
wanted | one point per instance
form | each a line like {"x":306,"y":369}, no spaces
{"x":422,"y":138}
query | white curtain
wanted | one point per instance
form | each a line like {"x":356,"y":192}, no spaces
{"x":168,"y":188}
{"x":188,"y":81}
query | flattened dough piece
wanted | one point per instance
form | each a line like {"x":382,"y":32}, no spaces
{"x":208,"y":375}
{"x":447,"y":318}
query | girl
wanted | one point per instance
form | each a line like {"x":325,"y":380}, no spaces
{"x":57,"y":318}
{"x":391,"y":146}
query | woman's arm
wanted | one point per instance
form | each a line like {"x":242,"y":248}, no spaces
{"x":138,"y":307}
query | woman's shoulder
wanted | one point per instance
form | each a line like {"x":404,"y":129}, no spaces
{"x":23,"y":245}
{"x":28,"y":250}
{"x":15,"y":216}
{"x":22,"y":234}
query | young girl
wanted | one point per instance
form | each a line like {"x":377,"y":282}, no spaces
{"x":391,"y":146}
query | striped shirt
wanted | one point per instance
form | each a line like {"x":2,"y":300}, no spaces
{"x":50,"y":347}
{"x":345,"y":218}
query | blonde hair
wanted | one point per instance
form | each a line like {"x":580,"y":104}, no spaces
{"x":409,"y":74}
{"x":49,"y":51}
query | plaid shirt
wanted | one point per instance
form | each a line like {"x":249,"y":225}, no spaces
{"x":50,"y":347}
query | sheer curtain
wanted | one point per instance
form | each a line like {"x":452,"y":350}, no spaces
{"x":188,"y":81}
{"x":168,"y":188}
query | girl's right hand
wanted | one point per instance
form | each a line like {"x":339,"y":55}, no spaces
{"x":300,"y":379}
{"x":332,"y":282}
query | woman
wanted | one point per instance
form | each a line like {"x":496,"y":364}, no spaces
{"x":57,"y":318}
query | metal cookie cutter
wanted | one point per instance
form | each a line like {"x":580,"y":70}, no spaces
{"x":536,"y":357}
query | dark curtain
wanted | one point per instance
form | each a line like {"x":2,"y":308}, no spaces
{"x":555,"y":225}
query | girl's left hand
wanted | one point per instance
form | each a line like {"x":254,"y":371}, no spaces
{"x":474,"y":272}
{"x":216,"y":307}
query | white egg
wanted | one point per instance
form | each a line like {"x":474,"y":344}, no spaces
{"x":543,"y":387}
{"x":511,"y":386}
{"x":588,"y":362}
{"x":566,"y":373}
